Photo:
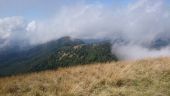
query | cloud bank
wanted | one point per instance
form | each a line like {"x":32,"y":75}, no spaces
{"x":132,"y":28}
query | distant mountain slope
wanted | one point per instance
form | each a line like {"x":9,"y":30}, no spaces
{"x":160,"y":43}
{"x":161,"y":40}
{"x":54,"y":54}
{"x":78,"y":54}
{"x":149,"y":77}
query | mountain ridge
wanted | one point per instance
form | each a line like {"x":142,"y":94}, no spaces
{"x":45,"y":56}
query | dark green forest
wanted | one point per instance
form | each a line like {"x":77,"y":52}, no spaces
{"x":64,"y":52}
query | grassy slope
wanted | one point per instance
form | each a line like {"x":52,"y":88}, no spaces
{"x":149,"y":77}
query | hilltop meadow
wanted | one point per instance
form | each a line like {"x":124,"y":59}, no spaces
{"x":148,"y":77}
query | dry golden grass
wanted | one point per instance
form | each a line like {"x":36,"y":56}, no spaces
{"x":150,"y":77}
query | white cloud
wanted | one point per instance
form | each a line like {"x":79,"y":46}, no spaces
{"x":11,"y":29}
{"x":138,"y":23}
{"x":132,"y":52}
{"x":31,"y":26}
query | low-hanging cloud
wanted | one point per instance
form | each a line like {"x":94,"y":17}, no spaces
{"x":136,"y":25}
{"x":131,"y":52}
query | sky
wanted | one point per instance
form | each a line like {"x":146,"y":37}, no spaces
{"x":41,"y":9}
{"x":137,"y":23}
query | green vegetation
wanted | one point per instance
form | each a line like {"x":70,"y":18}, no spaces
{"x":63,"y":52}
{"x":78,"y":55}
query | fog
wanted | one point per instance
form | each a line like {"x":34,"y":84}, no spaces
{"x":132,"y":28}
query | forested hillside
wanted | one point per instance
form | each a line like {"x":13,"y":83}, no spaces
{"x":63,"y":52}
